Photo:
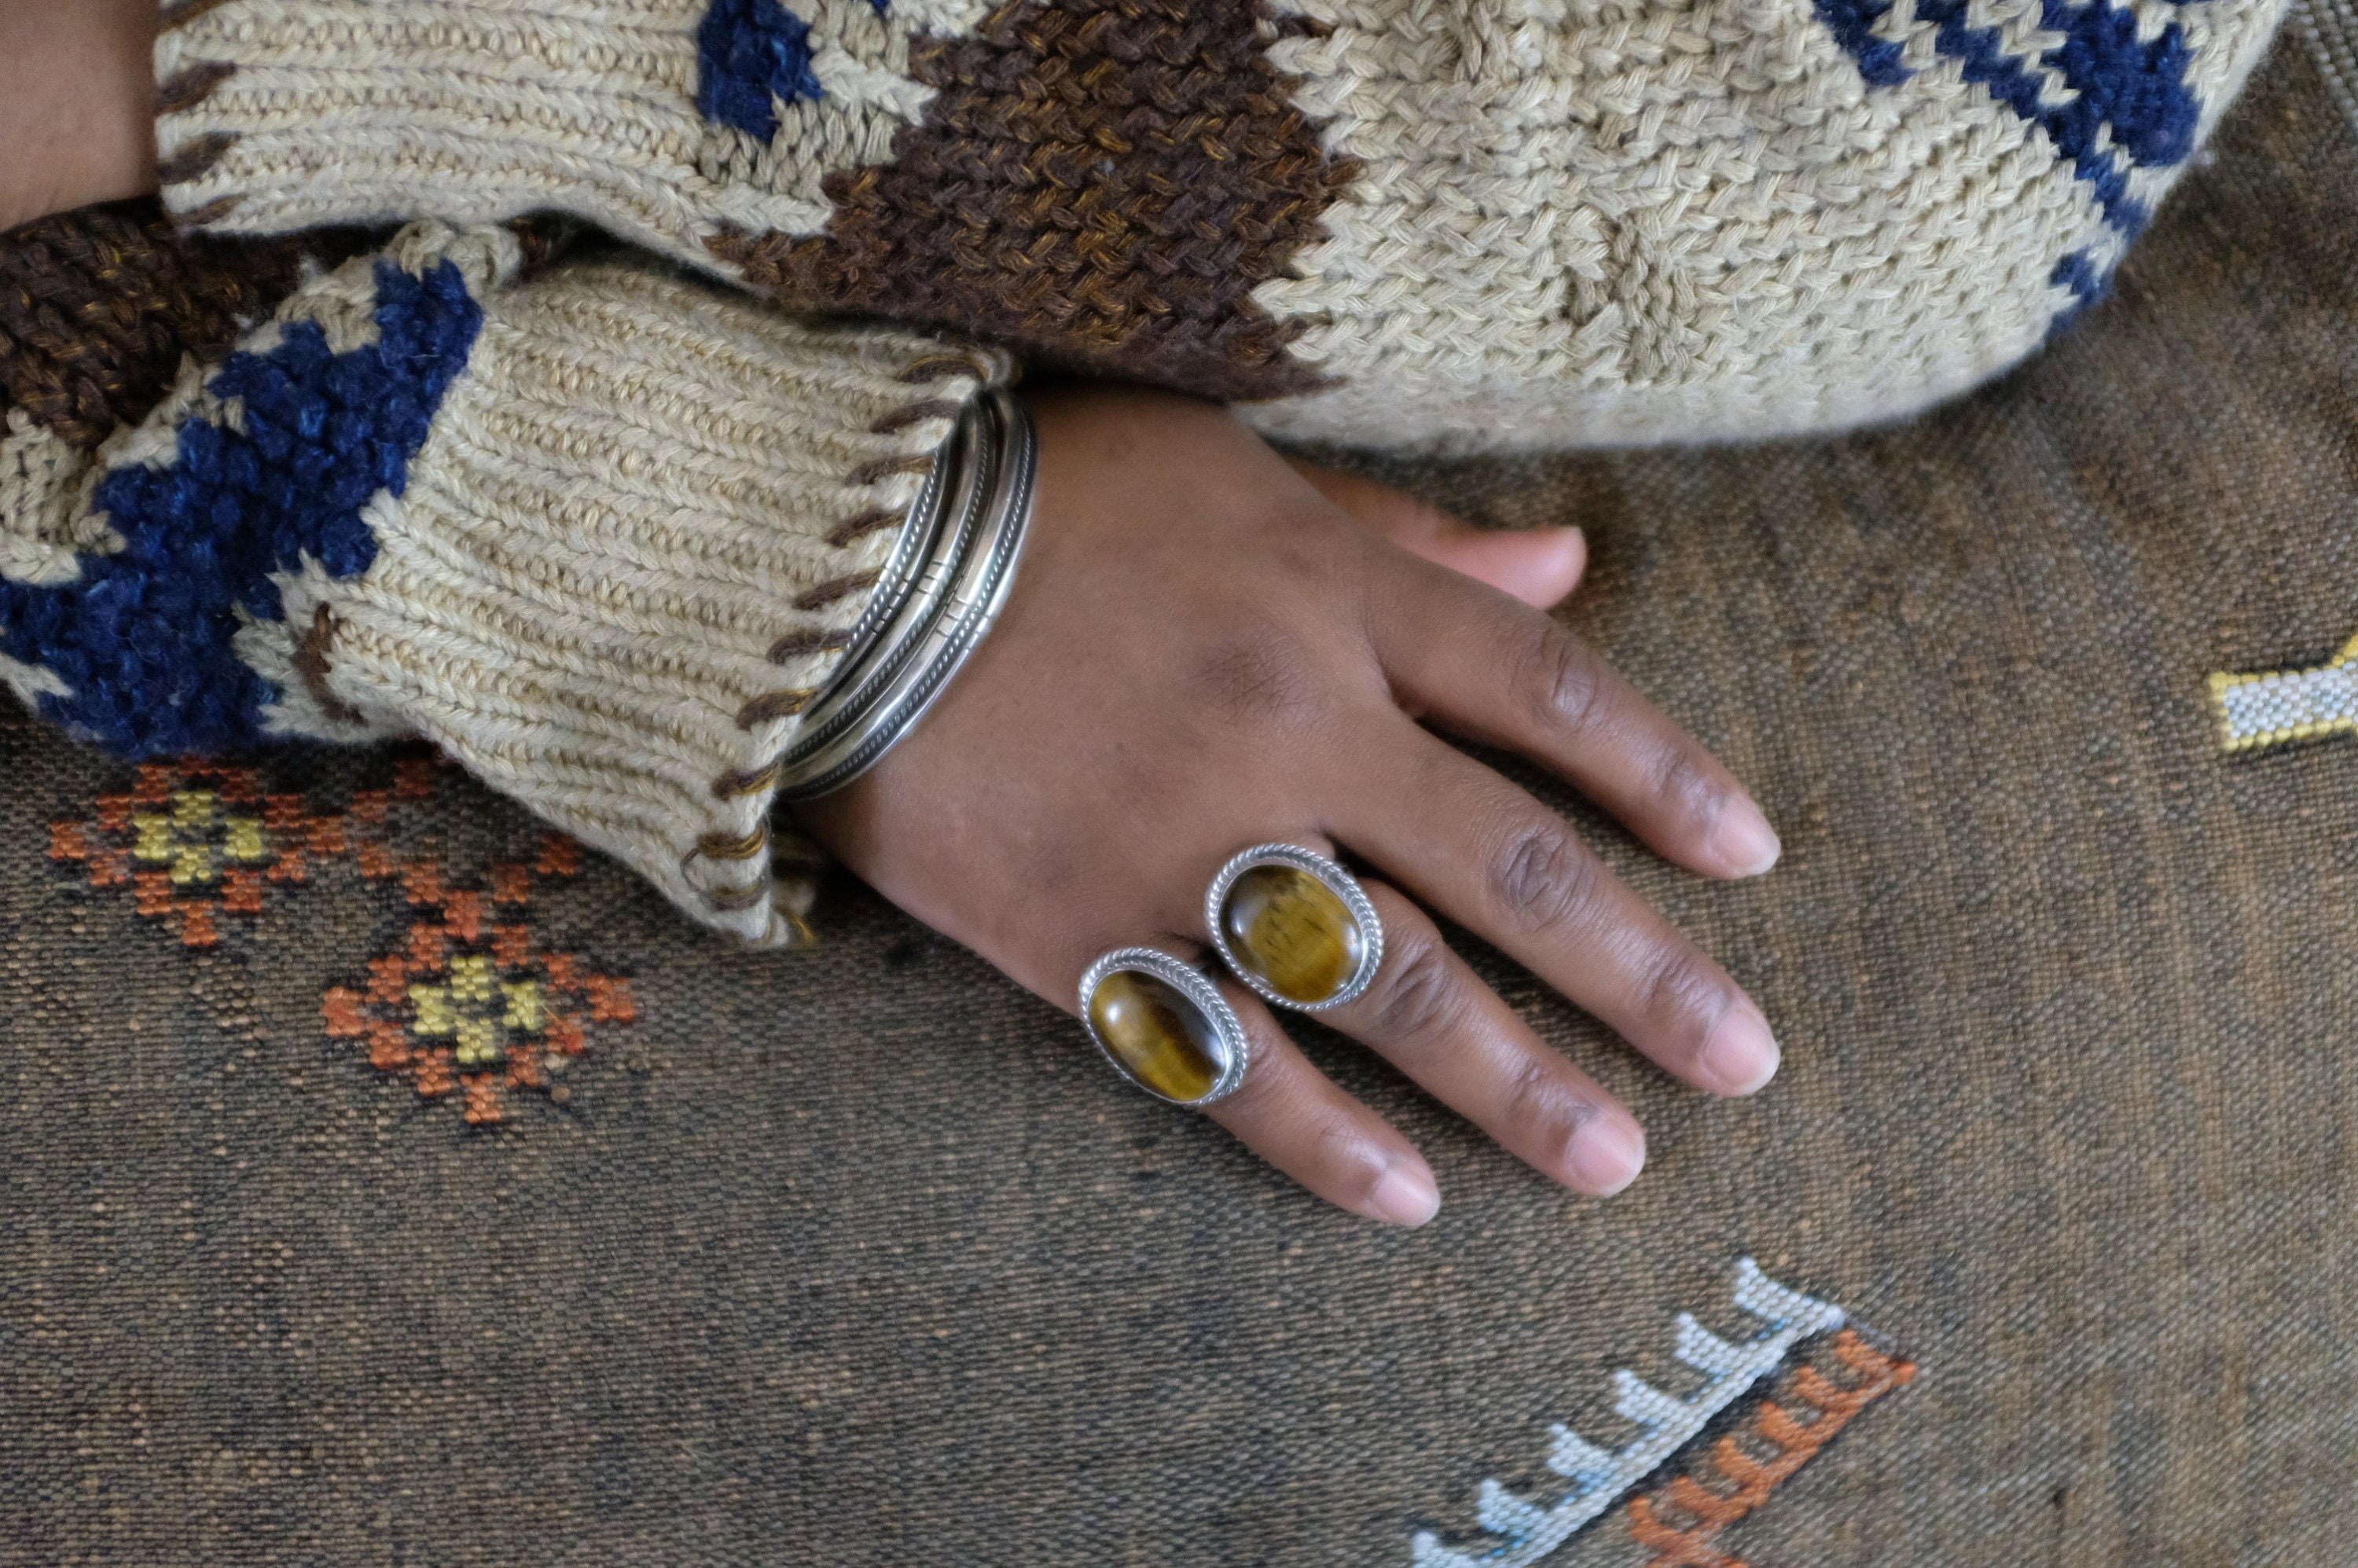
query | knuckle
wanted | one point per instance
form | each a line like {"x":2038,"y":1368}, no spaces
{"x":1340,"y":1140}
{"x":1545,"y":877}
{"x":1688,"y":788}
{"x":1538,"y":1102}
{"x":1415,"y":996}
{"x":1681,"y":985}
{"x":1564,"y":684}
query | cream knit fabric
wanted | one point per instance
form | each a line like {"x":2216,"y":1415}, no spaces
{"x":475,"y":110}
{"x":1438,"y":223}
{"x":1589,"y":223}
{"x":600,"y":533}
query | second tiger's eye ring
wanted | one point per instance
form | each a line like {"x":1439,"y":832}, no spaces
{"x":1165,"y":1026}
{"x":1294,"y":926}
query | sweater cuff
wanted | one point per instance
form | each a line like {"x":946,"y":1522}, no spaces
{"x":665,"y":122}
{"x":631,"y":549}
{"x":602,"y":533}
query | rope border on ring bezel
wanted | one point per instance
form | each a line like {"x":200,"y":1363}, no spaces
{"x":1338,"y":881}
{"x":1197,"y":988}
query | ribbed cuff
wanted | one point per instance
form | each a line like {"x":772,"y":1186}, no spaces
{"x":668,"y":123}
{"x":602,"y":533}
{"x":628,"y":555}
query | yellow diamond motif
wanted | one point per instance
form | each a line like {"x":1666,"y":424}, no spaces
{"x":192,"y":810}
{"x":155,"y":837}
{"x":244,"y":841}
{"x":477,"y":1011}
{"x":470,"y":978}
{"x":525,"y":1012}
{"x":430,"y":1007}
{"x":184,"y":837}
{"x":479,"y":1042}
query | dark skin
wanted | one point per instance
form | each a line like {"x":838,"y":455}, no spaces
{"x":1204,"y":651}
{"x":1209,"y":646}
{"x":75,"y":85}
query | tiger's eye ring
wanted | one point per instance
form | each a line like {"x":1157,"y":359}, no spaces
{"x":1165,"y":1026}
{"x":1295,"y":926}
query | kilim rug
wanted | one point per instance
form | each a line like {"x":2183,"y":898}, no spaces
{"x":388,"y":1183}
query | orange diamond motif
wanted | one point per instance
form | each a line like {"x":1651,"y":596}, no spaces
{"x":470,"y":1007}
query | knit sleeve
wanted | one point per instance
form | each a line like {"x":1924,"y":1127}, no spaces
{"x":101,"y":310}
{"x":1450,"y":224}
{"x":599,"y":531}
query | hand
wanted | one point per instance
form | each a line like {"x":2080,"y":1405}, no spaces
{"x":1206,"y":649}
{"x":77,"y":105}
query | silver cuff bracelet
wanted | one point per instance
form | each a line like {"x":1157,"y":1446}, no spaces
{"x":936,"y":596}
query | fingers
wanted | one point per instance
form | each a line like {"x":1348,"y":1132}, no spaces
{"x":1294,"y":1117}
{"x":1507,"y":675}
{"x":1428,"y":1014}
{"x":1484,"y":852}
{"x":1539,"y":566}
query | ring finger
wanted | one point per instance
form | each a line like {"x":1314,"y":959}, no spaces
{"x":1428,"y":1013}
{"x":1431,"y":1016}
{"x":1495,"y":859}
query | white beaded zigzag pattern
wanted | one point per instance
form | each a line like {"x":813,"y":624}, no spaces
{"x":2270,"y":707}
{"x":1601,"y":1476}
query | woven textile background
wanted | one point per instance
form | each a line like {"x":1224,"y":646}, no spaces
{"x":858,"y":1257}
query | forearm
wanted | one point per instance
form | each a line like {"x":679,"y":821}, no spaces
{"x":76,"y":104}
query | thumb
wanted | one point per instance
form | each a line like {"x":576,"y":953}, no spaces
{"x":1539,"y":566}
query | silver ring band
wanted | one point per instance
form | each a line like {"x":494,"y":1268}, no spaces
{"x":1127,"y":1041}
{"x":1337,"y":882}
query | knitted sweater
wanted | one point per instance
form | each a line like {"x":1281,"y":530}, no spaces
{"x":601,"y":532}
{"x":598,"y":530}
{"x":1436,"y":224}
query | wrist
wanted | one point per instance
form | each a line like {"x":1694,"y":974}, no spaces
{"x":935,"y":601}
{"x":77,"y":93}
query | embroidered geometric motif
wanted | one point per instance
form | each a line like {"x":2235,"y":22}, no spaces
{"x":1668,"y":1423}
{"x":1680,"y":1523}
{"x":2269,"y":707}
{"x":195,"y":840}
{"x":468,"y":1005}
{"x":472,"y":1003}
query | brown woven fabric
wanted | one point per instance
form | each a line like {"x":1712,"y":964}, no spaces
{"x":1102,"y":183}
{"x":98,"y":306}
{"x":858,"y":1257}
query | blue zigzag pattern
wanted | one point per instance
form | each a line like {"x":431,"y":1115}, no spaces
{"x":141,"y":638}
{"x":750,"y":57}
{"x":2136,"y":87}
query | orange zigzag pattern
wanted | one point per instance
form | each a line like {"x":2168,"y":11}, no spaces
{"x":1797,"y":1440}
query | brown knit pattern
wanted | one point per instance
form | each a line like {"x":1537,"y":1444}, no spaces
{"x":98,"y":306}
{"x":1101,"y":183}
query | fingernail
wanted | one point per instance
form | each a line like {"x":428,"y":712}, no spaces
{"x":1740,"y":1055}
{"x":1404,"y":1197}
{"x":1607,"y":1154}
{"x":1743,"y":839}
{"x":1575,"y":561}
